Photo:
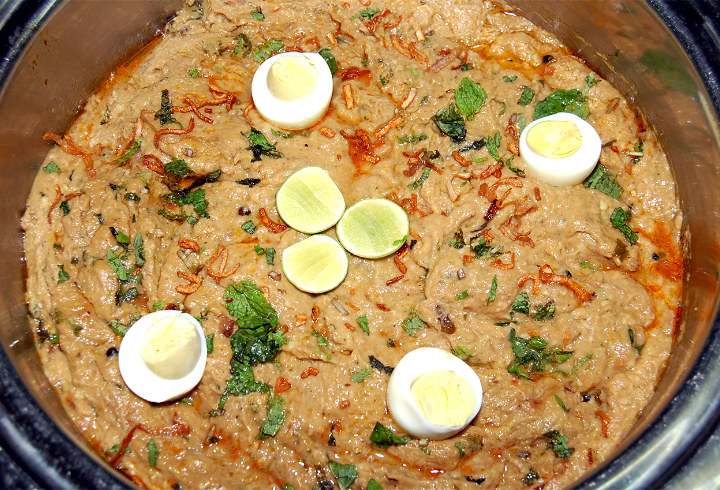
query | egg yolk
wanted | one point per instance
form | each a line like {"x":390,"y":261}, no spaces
{"x":445,"y":398}
{"x":554,"y":139}
{"x":171,"y":347}
{"x":292,"y":78}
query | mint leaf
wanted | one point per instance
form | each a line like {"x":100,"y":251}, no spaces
{"x":451,"y":123}
{"x":618,"y":219}
{"x":572,"y":101}
{"x":602,"y":180}
{"x":178,"y":168}
{"x":411,"y":324}
{"x":275,"y":417}
{"x":469,"y":98}
{"x":329,"y":59}
{"x":363,"y":322}
{"x":383,"y":437}
{"x":345,"y":474}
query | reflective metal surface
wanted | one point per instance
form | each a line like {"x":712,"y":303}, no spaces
{"x":55,"y":53}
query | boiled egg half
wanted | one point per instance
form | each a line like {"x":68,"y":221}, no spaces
{"x":292,"y":90}
{"x":432,"y":394}
{"x":561,"y":149}
{"x":162,"y":356}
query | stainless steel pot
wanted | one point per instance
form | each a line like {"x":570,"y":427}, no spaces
{"x":661,"y":54}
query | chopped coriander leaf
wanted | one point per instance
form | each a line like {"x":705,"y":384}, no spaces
{"x":135,"y":147}
{"x":259,"y":250}
{"x":360,"y":375}
{"x":520,"y":172}
{"x":383,"y":437}
{"x":139,"y":247}
{"x":469,"y":98}
{"x":423,"y":177}
{"x":461,"y":450}
{"x":153,"y":453}
{"x":369,"y":13}
{"x":249,"y":227}
{"x":522,"y":122}
{"x":590,"y":80}
{"x":159,"y":305}
{"x":209,"y":343}
{"x":196,"y":198}
{"x":484,"y":249}
{"x":329,"y":59}
{"x":282,"y":135}
{"x":521,"y":303}
{"x":527,"y":96}
{"x":457,"y":241}
{"x":165,"y":111}
{"x":373,"y":485}
{"x":117,"y":266}
{"x":544,"y":312}
{"x":411,"y":324}
{"x":194,"y":73}
{"x":65,"y":208}
{"x":51,"y":168}
{"x":275,"y":417}
{"x":363,"y":322}
{"x":475,"y":146}
{"x":638,"y":348}
{"x":131,"y":196}
{"x":509,"y":79}
{"x":257,"y":14}
{"x":124,"y":296}
{"x":579,"y":364}
{"x":462,"y":295}
{"x":561,"y":403}
{"x":54,"y":338}
{"x":178,"y":168}
{"x":466,"y":67}
{"x":345,"y":474}
{"x":120,"y":237}
{"x":572,"y":101}
{"x":493,"y":143}
{"x":559,"y":444}
{"x":270,"y":256}
{"x":462,"y":352}
{"x":618,"y":219}
{"x":493,"y":290}
{"x":532,"y":355}
{"x":451,"y":123}
{"x":400,"y":241}
{"x":259,"y":145}
{"x":412,"y":138}
{"x":118,"y":328}
{"x":602,"y":180}
{"x":268,"y":48}
{"x":243,"y":46}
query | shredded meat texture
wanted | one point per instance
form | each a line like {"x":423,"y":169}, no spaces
{"x":492,"y":257}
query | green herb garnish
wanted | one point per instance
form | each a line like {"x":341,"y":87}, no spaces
{"x":572,"y":101}
{"x":275,"y":417}
{"x":493,"y":290}
{"x":602,"y":180}
{"x":527,"y":96}
{"x":259,"y":145}
{"x":451,"y":123}
{"x":411,"y":324}
{"x":469,"y":98}
{"x":329,"y":59}
{"x":383,"y":437}
{"x":544,"y":312}
{"x":243,"y":46}
{"x":345,"y":474}
{"x":360,"y":375}
{"x":51,"y":167}
{"x":363,"y":322}
{"x":267,"y":49}
{"x":153,"y":453}
{"x":532,"y":355}
{"x":249,"y":227}
{"x":165,"y":111}
{"x":178,"y":168}
{"x":618,"y":219}
{"x":559,"y":444}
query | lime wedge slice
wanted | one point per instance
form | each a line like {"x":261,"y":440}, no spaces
{"x":316,"y":264}
{"x":373,"y":228}
{"x":309,"y":201}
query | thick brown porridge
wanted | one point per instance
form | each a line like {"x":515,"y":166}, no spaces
{"x":566,"y":315}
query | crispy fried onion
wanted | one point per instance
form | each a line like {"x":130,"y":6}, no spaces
{"x":58,"y":198}
{"x":510,"y":230}
{"x":270,"y":224}
{"x":348,"y":95}
{"x":374,"y":23}
{"x":188,"y":244}
{"x":385,"y":128}
{"x":408,"y":50}
{"x":221,"y":96}
{"x":154,"y":163}
{"x":604,"y":420}
{"x":194,"y":280}
{"x":418,"y":160}
{"x":177,"y":429}
{"x":547,"y":276}
{"x":137,"y":132}
{"x":499,"y":264}
{"x":163,"y":132}
{"x":360,"y":147}
{"x":221,"y":273}
{"x":490,"y":191}
{"x":461,"y":159}
{"x":68,"y":146}
{"x":513,"y":138}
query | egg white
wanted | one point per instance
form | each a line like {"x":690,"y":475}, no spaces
{"x":403,"y":407}
{"x":563,"y":171}
{"x":298,"y":114}
{"x":136,"y":374}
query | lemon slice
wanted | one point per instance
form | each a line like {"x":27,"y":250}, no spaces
{"x":316,"y":264}
{"x":373,"y":228}
{"x":309,"y":201}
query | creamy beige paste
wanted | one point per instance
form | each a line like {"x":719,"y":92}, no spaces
{"x":397,"y":67}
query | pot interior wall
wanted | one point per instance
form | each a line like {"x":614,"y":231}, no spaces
{"x":625,"y":42}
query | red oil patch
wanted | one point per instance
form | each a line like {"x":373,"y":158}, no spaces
{"x":670,"y":265}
